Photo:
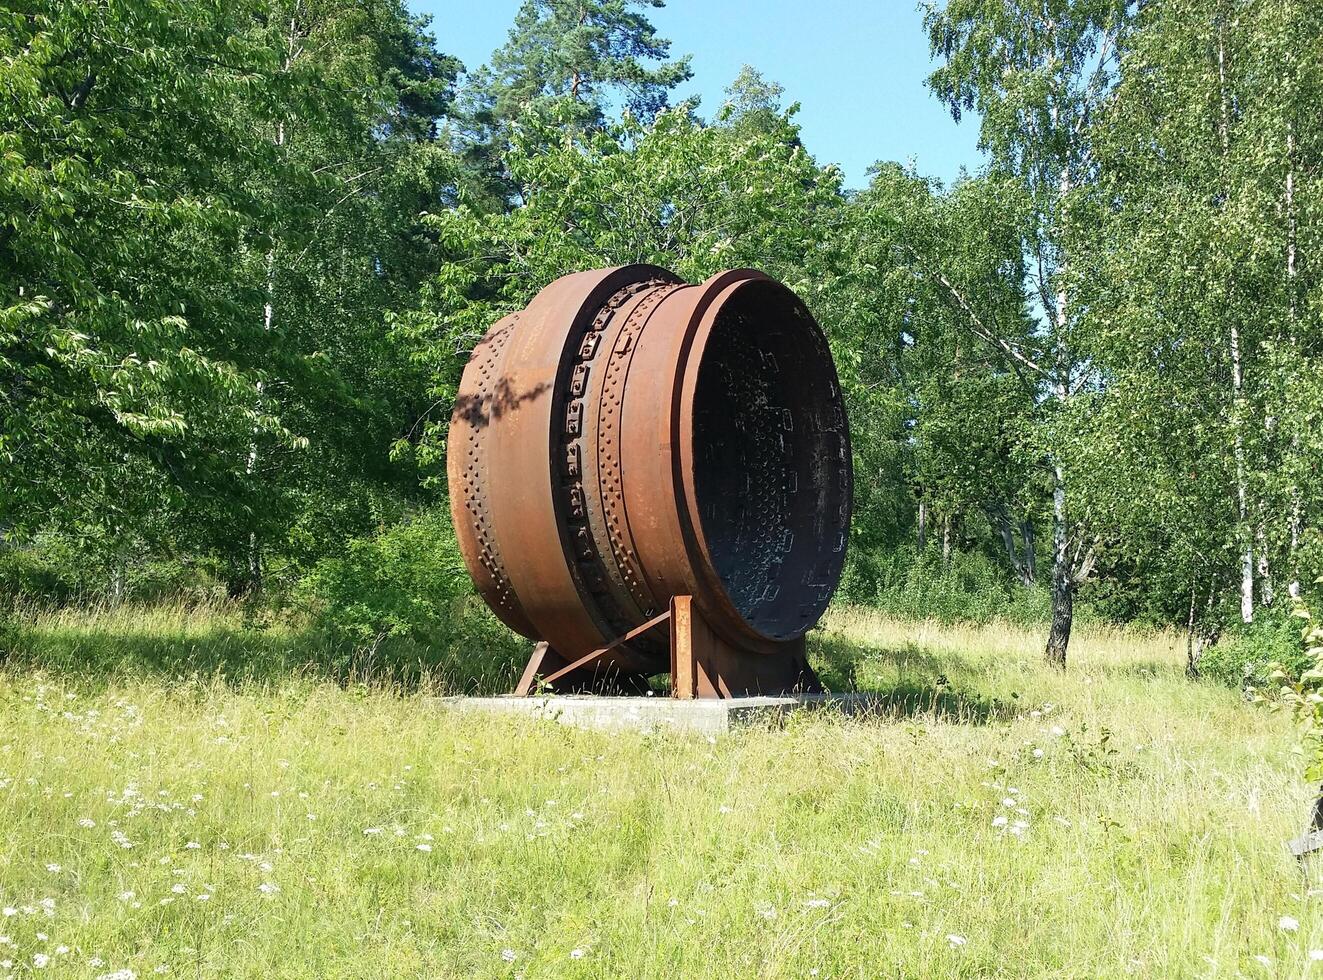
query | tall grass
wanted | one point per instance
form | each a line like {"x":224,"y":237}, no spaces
{"x":166,"y":809}
{"x":241,"y":644}
{"x":967,"y":587}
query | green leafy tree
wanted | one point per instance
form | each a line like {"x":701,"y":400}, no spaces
{"x":586,"y":57}
{"x":932,"y":280}
{"x":752,"y":101}
{"x":342,"y":252}
{"x":126,"y":377}
{"x":208,"y":213}
{"x":1197,"y":318}
{"x":1037,"y":73}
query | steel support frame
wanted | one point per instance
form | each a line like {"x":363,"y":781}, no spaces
{"x":703,"y":664}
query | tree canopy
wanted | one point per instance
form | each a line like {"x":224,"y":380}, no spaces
{"x":246,"y":246}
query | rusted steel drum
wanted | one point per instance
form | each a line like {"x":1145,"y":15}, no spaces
{"x":629,"y":437}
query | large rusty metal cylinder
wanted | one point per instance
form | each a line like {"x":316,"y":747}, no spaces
{"x":629,"y":438}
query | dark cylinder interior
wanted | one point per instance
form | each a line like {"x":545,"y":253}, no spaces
{"x":771,"y":466}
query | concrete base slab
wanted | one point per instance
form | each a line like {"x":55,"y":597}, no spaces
{"x":704,"y":716}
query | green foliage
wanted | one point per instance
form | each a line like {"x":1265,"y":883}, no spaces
{"x":58,"y":570}
{"x":1190,"y":452}
{"x":405,"y":580}
{"x":245,"y":247}
{"x":578,"y":59}
{"x":1251,"y":655}
{"x":124,"y":162}
{"x":1302,"y":691}
{"x":675,"y":193}
{"x":208,"y":213}
{"x":586,"y":51}
{"x":969,"y":588}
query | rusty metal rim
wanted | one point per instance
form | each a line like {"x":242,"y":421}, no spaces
{"x":725,"y":617}
{"x":724,"y":289}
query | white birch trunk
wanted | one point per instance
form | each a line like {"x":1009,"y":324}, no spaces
{"x":1243,"y":531}
{"x":268,"y":323}
{"x":1063,"y":583}
{"x":1264,"y":567}
{"x":1297,"y":505}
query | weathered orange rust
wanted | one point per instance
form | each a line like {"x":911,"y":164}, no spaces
{"x":628,"y":439}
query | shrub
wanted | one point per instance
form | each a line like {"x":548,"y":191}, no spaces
{"x":1247,"y":654}
{"x":970,"y":587}
{"x":27,"y":573}
{"x":56,"y":569}
{"x":1302,"y":692}
{"x":402,"y":581}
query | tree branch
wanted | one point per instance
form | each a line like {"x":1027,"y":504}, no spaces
{"x":976,"y":325}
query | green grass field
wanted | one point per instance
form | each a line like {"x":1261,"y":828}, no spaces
{"x":163,"y":811}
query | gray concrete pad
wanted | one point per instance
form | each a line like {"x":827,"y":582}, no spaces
{"x":701,"y":716}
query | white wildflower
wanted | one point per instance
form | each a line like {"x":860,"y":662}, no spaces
{"x":956,"y":940}
{"x":508,"y":955}
{"x":1288,"y":924}
{"x":576,"y":954}
{"x":40,"y":960}
{"x":267,"y":888}
{"x":425,"y":848}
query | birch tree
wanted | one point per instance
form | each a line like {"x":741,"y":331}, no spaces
{"x":1196,"y":320}
{"x":1037,"y":73}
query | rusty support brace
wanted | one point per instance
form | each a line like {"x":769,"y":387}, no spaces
{"x":544,"y":657}
{"x":703,"y":665}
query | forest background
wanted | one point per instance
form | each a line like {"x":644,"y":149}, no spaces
{"x":247,"y":245}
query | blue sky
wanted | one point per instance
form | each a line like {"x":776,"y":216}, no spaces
{"x":856,"y":67}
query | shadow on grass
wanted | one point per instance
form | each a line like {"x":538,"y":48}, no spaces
{"x":474,"y":657}
{"x":922,"y":687}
